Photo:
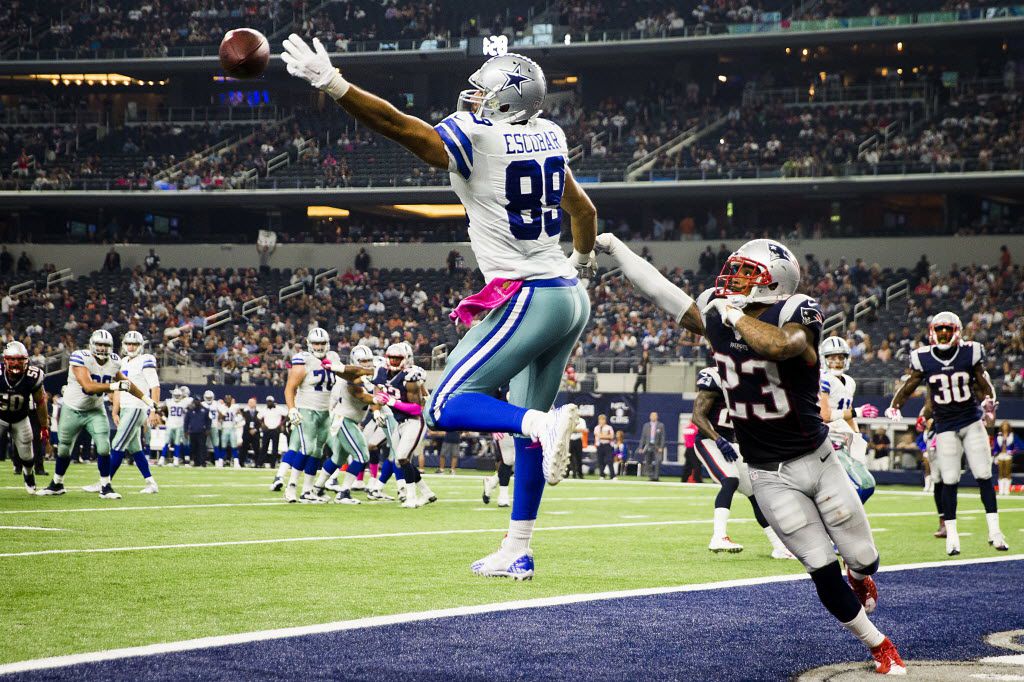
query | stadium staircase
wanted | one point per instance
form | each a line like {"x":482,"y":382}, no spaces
{"x":687,"y":138}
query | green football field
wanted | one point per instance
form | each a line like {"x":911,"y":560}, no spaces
{"x":216,"y":553}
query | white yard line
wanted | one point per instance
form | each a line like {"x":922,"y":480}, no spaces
{"x":41,"y":528}
{"x":422,"y":533}
{"x":399,"y":618}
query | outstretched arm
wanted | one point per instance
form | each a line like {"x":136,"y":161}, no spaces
{"x":314,"y":66}
{"x":581,"y":209}
{"x":652,"y":283}
{"x":776,"y":343}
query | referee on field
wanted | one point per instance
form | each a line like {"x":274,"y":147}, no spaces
{"x":604,"y":437}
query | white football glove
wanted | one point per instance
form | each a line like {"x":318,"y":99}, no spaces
{"x":122,"y":385}
{"x":294,"y":416}
{"x":894,"y":414}
{"x":380,"y":417}
{"x":313,"y":66}
{"x":607,"y":243}
{"x":585,"y":264}
{"x":729,"y":313}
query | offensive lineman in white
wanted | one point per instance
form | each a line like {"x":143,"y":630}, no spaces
{"x":508,"y":166}
{"x":129,"y":413}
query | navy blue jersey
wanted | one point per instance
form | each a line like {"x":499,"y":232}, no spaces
{"x":397,"y":386}
{"x":709,"y":381}
{"x":774,"y":405}
{"x":951,"y":383}
{"x":15,"y":396}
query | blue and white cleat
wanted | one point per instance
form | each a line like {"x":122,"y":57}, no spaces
{"x":505,"y":564}
{"x":554,"y":442}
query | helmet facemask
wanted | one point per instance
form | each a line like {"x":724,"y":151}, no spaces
{"x":15,"y":364}
{"x":744,"y":281}
{"x":837,"y":362}
{"x":131,"y":348}
{"x":101,"y":349}
{"x":944,"y":335}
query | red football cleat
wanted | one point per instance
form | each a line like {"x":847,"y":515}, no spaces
{"x":941,"y":532}
{"x":867,"y":593}
{"x":887,"y":659}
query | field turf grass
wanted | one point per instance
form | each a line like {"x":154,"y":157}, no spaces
{"x":592,"y":537}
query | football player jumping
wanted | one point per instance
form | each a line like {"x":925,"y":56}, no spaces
{"x":764,"y":337}
{"x":963,"y":402}
{"x":508,"y":167}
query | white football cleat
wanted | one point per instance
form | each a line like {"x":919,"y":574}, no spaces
{"x":345,"y":497}
{"x":782,"y":554}
{"x":952,"y":543}
{"x":289,"y":493}
{"x":489,"y":485}
{"x":237,"y":464}
{"x":998,"y":542}
{"x":505,"y":564}
{"x":554,"y":442}
{"x":162,"y":462}
{"x":310,"y":497}
{"x":426,"y":495}
{"x":219,"y":464}
{"x":276,"y":485}
{"x":93,"y":488}
{"x":333,"y":485}
{"x":30,"y":489}
{"x":503,"y":499}
{"x":411,"y":498}
{"x":724,"y":544}
{"x":150,"y":489}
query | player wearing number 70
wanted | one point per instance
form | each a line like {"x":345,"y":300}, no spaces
{"x":765,"y":337}
{"x":508,"y":167}
{"x":308,"y":397}
{"x":963,"y":402}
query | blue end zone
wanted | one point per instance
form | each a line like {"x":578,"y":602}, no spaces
{"x":764,"y":632}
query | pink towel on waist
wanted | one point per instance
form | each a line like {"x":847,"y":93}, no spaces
{"x":497,"y":292}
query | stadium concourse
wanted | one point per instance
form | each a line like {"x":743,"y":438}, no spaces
{"x":694,"y":249}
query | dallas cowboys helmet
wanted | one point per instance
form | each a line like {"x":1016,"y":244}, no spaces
{"x":507,"y":89}
{"x":101,"y":343}
{"x":760,"y":271}
{"x":835,"y":346}
{"x":361,"y":356}
{"x":318,"y":342}
{"x":132,"y":339}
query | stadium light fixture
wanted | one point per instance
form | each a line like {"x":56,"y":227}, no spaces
{"x":899,"y":46}
{"x":435,"y":211}
{"x":789,"y":51}
{"x":722,"y":78}
{"x":326,"y":212}
{"x":804,"y":52}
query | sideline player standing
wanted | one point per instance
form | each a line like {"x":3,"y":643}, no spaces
{"x":765,"y":342}
{"x":955,"y":372}
{"x":21,"y":384}
{"x":91,"y":374}
{"x":508,"y":167}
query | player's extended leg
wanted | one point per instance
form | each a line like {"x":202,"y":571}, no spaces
{"x":979,"y":459}
{"x":291,"y":462}
{"x":231,"y":446}
{"x":68,"y":427}
{"x":129,"y":440}
{"x":787,"y":497}
{"x":21,"y":433}
{"x":947,"y":462}
{"x":316,"y":431}
{"x":348,"y":445}
{"x":98,"y":428}
{"x":541,"y":323}
{"x":725,"y":474}
{"x":407,"y":437}
{"x":535,"y":387}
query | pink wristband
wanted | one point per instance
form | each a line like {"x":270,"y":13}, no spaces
{"x":408,"y":408}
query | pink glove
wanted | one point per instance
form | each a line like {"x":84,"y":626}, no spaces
{"x":382,"y":398}
{"x":326,"y":363}
{"x":867,"y":411}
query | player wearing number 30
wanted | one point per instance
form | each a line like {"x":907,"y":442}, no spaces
{"x":91,"y":374}
{"x":764,"y":337}
{"x":508,"y":166}
{"x":308,"y":397}
{"x":961,"y":395}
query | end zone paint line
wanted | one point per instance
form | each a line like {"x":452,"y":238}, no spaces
{"x":399,"y":618}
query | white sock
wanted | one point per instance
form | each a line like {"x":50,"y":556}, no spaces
{"x":333,"y":480}
{"x":400,"y":483}
{"x":519,"y":534}
{"x":864,"y":630}
{"x":321,"y":479}
{"x":150,"y":480}
{"x":992,"y":520}
{"x":293,"y":479}
{"x":57,"y":478}
{"x":774,"y":539}
{"x":503,"y":492}
{"x":534,"y":422}
{"x":104,"y":480}
{"x":721,"y":522}
{"x":307,"y":482}
{"x":421,"y":485}
{"x":348,"y":482}
{"x":951,"y":528}
{"x":283,"y":469}
{"x":491,"y":481}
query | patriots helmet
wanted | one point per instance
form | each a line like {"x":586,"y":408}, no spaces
{"x":760,"y":271}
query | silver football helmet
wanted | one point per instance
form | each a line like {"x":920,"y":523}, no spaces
{"x":318,"y":342}
{"x":507,"y":89}
{"x":15,"y":358}
{"x":760,"y":271}
{"x":101,"y":345}
{"x":397,"y":356}
{"x":132,"y":343}
{"x":361,"y":356}
{"x":834,"y":347}
{"x":945,"y":330}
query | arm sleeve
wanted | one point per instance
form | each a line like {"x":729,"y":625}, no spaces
{"x":652,"y":283}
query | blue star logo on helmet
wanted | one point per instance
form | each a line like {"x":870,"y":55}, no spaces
{"x":515,"y":79}
{"x":778,"y":251}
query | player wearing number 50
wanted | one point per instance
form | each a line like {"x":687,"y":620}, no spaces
{"x":508,"y":167}
{"x":92,"y":374}
{"x":764,"y":337}
{"x":961,"y":397}
{"x":308,"y":397}
{"x":20,"y":385}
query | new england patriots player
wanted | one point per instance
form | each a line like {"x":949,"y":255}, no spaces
{"x":21,"y":385}
{"x":719,"y":453}
{"x":764,"y":337}
{"x":508,"y":166}
{"x":962,"y":401}
{"x":838,"y":413}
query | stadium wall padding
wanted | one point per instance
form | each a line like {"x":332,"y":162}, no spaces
{"x":886,"y":251}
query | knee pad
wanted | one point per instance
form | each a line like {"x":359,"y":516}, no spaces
{"x":834,"y":506}
{"x":788,"y":514}
{"x":869,"y":569}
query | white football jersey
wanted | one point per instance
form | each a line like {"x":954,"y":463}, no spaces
{"x":212,"y":408}
{"x":314,"y":393}
{"x":510,"y":178}
{"x":141,"y":371}
{"x":74,"y":396}
{"x":343,"y":401}
{"x":840,"y":389}
{"x":176,"y":412}
{"x":228,"y":414}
